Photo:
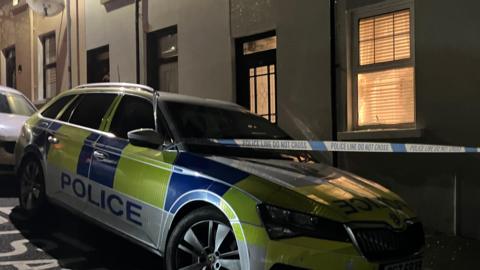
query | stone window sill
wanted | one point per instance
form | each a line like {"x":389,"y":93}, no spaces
{"x":380,"y":134}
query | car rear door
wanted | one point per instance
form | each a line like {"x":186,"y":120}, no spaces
{"x":137,"y":176}
{"x":71,"y":148}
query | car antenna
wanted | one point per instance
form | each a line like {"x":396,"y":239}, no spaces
{"x":118,"y":73}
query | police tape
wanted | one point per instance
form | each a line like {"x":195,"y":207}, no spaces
{"x":335,"y":146}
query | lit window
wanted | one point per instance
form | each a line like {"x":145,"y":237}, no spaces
{"x":386,"y":97}
{"x":384,"y":71}
{"x":384,"y":38}
{"x":260,"y":45}
{"x":49,"y":66}
{"x":263,"y":92}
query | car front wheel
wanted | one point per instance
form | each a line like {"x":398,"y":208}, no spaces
{"x":203,"y":240}
{"x":32,"y":188}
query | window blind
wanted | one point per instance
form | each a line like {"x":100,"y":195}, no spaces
{"x":384,"y":38}
{"x":386,"y":97}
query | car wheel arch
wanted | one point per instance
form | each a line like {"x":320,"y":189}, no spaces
{"x":30,"y":153}
{"x":193,"y":205}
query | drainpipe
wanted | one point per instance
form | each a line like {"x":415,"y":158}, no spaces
{"x":137,"y":39}
{"x":333,"y":77}
{"x":69,"y":45}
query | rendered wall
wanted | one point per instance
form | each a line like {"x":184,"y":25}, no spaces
{"x":113,"y":25}
{"x":205,"y":67}
{"x":443,"y":188}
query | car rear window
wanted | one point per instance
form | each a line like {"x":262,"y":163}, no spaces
{"x":53,"y":110}
{"x":91,"y":109}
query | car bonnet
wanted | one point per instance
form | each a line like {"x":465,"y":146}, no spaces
{"x":334,"y":193}
{"x":10,"y":126}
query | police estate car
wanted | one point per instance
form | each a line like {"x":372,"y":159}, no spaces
{"x":132,"y":160}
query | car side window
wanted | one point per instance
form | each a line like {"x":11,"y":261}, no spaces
{"x":53,"y":110}
{"x":91,"y":109}
{"x":4,"y":107}
{"x":132,"y":113}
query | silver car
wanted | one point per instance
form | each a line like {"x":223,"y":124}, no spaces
{"x":15,"y":109}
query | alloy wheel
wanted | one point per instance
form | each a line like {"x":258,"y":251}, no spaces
{"x":208,"y":245}
{"x":31,"y":186}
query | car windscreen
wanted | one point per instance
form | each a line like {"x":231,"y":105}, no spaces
{"x":15,"y":104}
{"x":194,"y":121}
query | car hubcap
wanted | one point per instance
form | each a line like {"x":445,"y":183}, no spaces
{"x":208,"y":245}
{"x":30,"y":188}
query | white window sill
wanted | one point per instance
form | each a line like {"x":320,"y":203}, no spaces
{"x":380,"y":134}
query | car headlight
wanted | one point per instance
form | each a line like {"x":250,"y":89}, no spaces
{"x":283,"y":223}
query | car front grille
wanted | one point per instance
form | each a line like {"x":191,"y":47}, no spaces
{"x":384,"y":244}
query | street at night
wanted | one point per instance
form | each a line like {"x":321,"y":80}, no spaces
{"x":239,"y":135}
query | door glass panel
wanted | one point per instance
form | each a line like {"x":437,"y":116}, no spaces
{"x":50,"y":81}
{"x":53,"y":110}
{"x":168,"y":74}
{"x":91,"y":110}
{"x":260,"y":45}
{"x":263,"y":91}
{"x":132,"y":113}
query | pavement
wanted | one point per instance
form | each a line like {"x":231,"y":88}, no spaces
{"x":66,"y":242}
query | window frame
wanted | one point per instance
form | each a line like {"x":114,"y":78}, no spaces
{"x":5,"y":52}
{"x":72,"y":97}
{"x":76,"y":103}
{"x":46,"y":66}
{"x":92,"y":59}
{"x":247,"y":60}
{"x":116,"y":109}
{"x":356,"y":69}
{"x":155,"y":61}
{"x":159,"y":119}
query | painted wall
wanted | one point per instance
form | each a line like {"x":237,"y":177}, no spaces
{"x":23,"y":28}
{"x":113,"y":25}
{"x":303,"y":60}
{"x":42,"y":26}
{"x":446,"y":64}
{"x":204,"y":44}
{"x":16,"y":30}
{"x":206,"y":33}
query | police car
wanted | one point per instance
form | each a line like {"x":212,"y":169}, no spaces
{"x":138,"y":162}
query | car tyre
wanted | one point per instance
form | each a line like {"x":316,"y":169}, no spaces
{"x":203,"y":239}
{"x":32,"y":196}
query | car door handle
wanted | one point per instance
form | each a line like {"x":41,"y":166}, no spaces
{"x":100,"y":155}
{"x":53,"y":140}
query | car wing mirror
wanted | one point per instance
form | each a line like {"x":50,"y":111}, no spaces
{"x":146,"y":138}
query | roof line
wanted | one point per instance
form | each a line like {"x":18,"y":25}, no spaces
{"x":126,"y":85}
